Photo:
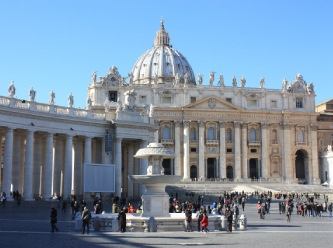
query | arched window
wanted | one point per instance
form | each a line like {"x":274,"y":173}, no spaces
{"x":166,"y":133}
{"x":229,"y":135}
{"x":253,"y":134}
{"x":193,"y":134}
{"x":211,"y":133}
{"x":300,"y":136}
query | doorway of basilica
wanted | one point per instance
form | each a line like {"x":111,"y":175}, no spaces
{"x":300,"y":166}
{"x":193,"y":172}
{"x":211,"y":172}
{"x":230,"y":172}
{"x":254,"y":168}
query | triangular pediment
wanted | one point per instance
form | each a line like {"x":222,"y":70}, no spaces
{"x":211,"y":103}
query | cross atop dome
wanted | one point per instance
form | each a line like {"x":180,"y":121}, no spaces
{"x":162,"y":36}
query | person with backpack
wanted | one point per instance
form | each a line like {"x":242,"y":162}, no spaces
{"x":86,"y":217}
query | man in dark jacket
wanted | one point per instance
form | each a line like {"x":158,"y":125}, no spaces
{"x":54,"y":219}
{"x":122,"y":220}
{"x":228,"y":215}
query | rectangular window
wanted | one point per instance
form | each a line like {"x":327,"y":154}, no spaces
{"x":252,"y":103}
{"x":299,"y":102}
{"x":193,"y":99}
{"x":229,"y":150}
{"x":193,"y":135}
{"x":253,"y":150}
{"x":193,"y":149}
{"x":142,"y":99}
{"x":113,"y":95}
{"x":166,"y":99}
{"x":229,"y":100}
{"x":273,"y":104}
{"x":228,"y":136}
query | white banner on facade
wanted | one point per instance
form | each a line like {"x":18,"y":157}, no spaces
{"x":98,"y":178}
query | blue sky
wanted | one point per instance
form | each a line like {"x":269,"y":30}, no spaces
{"x":57,"y":44}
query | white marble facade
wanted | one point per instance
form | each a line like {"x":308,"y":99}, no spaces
{"x":219,"y":131}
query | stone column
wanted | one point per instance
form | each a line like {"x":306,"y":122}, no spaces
{"x":201,"y":172}
{"x":37,"y":163}
{"x":244,"y":151}
{"x":237,"y":170}
{"x":264,"y":151}
{"x":286,"y":155}
{"x":21,"y":163}
{"x":223,"y":161}
{"x":143,"y":165}
{"x":1,"y":165}
{"x":118,"y":166}
{"x":29,"y":151}
{"x":47,"y":172}
{"x":186,"y":125}
{"x":18,"y":160}
{"x":58,"y":166}
{"x":78,"y":167}
{"x":130,"y":169}
{"x":8,"y":159}
{"x":177,"y":148}
{"x":68,"y":166}
{"x":315,"y":179}
{"x":87,"y":150}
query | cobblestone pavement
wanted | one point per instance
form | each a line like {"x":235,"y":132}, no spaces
{"x":28,"y":225}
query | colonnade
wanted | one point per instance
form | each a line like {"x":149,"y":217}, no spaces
{"x":47,"y":164}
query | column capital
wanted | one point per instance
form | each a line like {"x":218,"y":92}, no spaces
{"x":313,"y":127}
{"x":264,"y":125}
{"x":286,"y":126}
{"x":177,"y":123}
{"x":202,"y":123}
{"x":222,"y":124}
{"x":186,"y":123}
{"x":237,"y":124}
{"x":244,"y":125}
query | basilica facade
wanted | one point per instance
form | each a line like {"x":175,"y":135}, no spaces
{"x":221,"y":130}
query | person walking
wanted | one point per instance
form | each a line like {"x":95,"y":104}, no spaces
{"x":54,"y":219}
{"x":228,"y":215}
{"x":3,"y":198}
{"x":330,"y":208}
{"x":204,"y":223}
{"x":122,"y":220}
{"x":188,"y":219}
{"x":199,"y":218}
{"x":288,"y":213}
{"x":86,"y":217}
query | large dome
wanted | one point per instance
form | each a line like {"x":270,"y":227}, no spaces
{"x":162,"y":64}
